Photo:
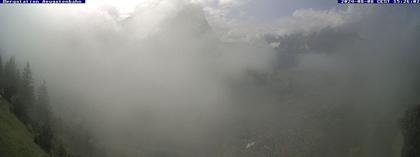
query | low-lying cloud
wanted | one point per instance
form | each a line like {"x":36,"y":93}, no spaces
{"x":164,"y":79}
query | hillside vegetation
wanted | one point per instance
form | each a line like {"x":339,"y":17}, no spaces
{"x":15,"y":139}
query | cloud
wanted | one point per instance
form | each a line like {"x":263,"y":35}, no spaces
{"x":160,"y":75}
{"x":309,"y":20}
{"x":161,"y":79}
{"x":363,"y":68}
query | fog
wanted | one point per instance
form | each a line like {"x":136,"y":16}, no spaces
{"x":172,"y":79}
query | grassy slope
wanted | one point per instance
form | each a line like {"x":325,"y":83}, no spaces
{"x":15,"y":139}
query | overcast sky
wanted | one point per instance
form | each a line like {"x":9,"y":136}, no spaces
{"x":262,"y":9}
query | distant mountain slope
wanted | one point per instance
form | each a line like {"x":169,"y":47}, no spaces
{"x":15,"y":139}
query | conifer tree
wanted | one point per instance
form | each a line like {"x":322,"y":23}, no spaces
{"x":45,"y":134}
{"x":11,"y":78}
{"x":19,"y":107}
{"x":27,"y":89}
{"x":43,"y":102}
{"x":1,"y":74}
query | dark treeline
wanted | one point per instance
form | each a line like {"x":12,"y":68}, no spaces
{"x":30,"y":104}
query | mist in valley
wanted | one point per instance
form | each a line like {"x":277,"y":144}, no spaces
{"x":189,"y":79}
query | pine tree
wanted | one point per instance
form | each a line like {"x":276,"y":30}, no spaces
{"x":43,"y":93}
{"x":10,"y":78}
{"x":1,"y":72}
{"x":43,"y":102}
{"x":45,"y":135}
{"x":1,"y":77}
{"x":19,"y":107}
{"x":45,"y":138}
{"x":27,"y":89}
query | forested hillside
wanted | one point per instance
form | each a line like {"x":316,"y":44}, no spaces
{"x":15,"y":139}
{"x":26,"y":122}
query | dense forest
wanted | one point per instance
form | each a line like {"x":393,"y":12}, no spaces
{"x":32,"y":107}
{"x":30,"y":104}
